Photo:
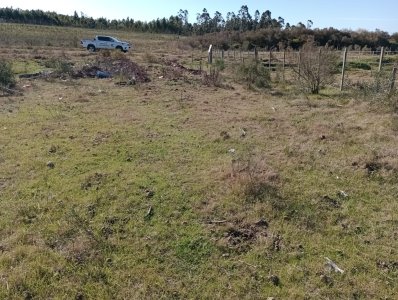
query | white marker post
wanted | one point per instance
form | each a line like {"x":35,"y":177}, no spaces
{"x":210,"y":60}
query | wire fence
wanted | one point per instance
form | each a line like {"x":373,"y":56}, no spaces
{"x":355,"y":66}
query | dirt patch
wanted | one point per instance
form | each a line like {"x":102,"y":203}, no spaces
{"x":80,"y":250}
{"x":4,"y":182}
{"x":93,"y":181}
{"x":388,"y":265}
{"x":86,"y":71}
{"x":329,"y":202}
{"x":373,"y":166}
{"x":173,"y":70}
{"x":240,"y":237}
{"x":178,"y":68}
{"x":383,"y":167}
{"x":101,"y":137}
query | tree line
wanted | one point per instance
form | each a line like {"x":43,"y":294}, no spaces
{"x":239,"y":29}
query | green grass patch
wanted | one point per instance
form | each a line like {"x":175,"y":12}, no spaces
{"x":177,"y":190}
{"x":26,"y":66}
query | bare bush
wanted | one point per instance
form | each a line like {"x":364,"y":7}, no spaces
{"x":316,"y":68}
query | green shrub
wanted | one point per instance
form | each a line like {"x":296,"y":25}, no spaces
{"x":390,"y":60}
{"x":7,"y":78}
{"x":60,"y":65}
{"x":357,"y":65}
{"x":219,"y":64}
{"x":253,"y":73}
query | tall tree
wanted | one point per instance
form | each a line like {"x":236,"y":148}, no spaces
{"x":281,"y":22}
{"x":203,"y":20}
{"x":265,"y":20}
{"x":245,"y":18}
{"x":183,"y":15}
{"x":217,"y":22}
{"x":256,"y":20}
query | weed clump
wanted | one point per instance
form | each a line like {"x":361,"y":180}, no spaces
{"x":193,"y":251}
{"x":150,"y":58}
{"x":7,"y":77}
{"x":256,"y":180}
{"x":214,"y":78}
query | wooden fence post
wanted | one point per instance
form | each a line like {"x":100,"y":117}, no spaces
{"x":299,"y":64}
{"x":343,"y":69}
{"x":319,"y":64}
{"x":381,"y":58}
{"x":255,"y":53}
{"x":393,"y":76}
{"x":270,"y":58}
{"x":284,"y":64}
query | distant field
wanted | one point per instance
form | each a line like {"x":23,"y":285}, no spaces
{"x":26,"y":36}
{"x":180,"y":188}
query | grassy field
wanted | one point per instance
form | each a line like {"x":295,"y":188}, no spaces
{"x":176,"y":189}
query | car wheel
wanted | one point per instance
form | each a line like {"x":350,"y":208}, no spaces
{"x":91,"y":48}
{"x":119,"y":48}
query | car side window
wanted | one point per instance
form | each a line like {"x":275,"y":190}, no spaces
{"x":101,"y":38}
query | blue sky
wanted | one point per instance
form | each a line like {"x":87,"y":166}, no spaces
{"x":348,"y":14}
